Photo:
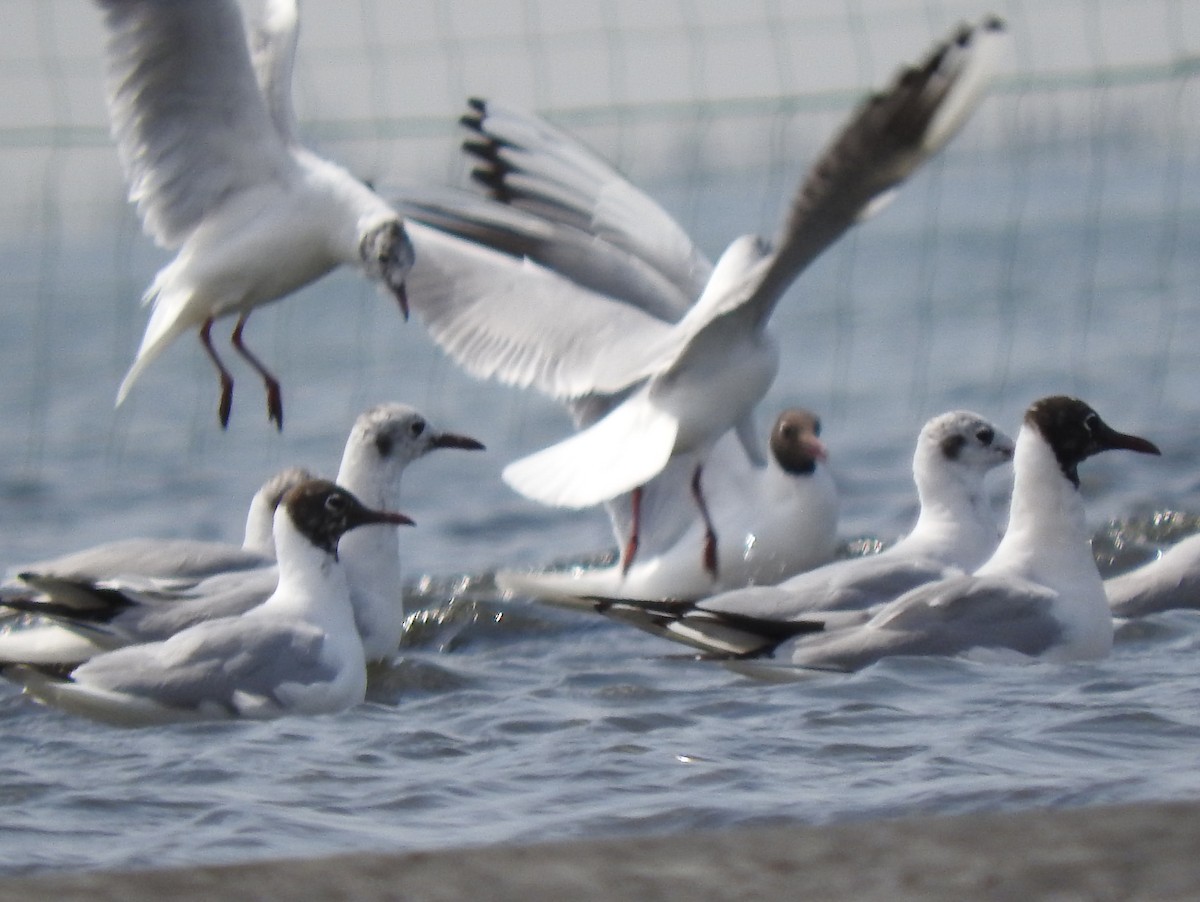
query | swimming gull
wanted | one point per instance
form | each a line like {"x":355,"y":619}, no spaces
{"x":956,"y":531}
{"x":296,"y":653}
{"x":1038,"y":596}
{"x":774,"y":520}
{"x":383,"y":441}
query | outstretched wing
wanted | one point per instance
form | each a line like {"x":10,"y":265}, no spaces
{"x":191,"y":125}
{"x":524,"y":161}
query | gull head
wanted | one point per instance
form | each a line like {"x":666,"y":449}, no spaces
{"x":323,"y":512}
{"x":386,"y":439}
{"x":387,"y":256}
{"x":965,"y":439}
{"x":796,"y":443}
{"x":1074,"y":431}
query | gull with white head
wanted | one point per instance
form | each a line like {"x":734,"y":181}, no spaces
{"x":382,"y":443}
{"x":662,"y":356}
{"x":206,"y":135}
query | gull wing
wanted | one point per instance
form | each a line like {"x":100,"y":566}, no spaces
{"x":211,"y":662}
{"x":524,"y":161}
{"x":273,"y":52}
{"x":190,"y":123}
{"x":575,"y":254}
{"x":949,"y":617}
{"x":517,"y":322}
{"x":886,"y":139}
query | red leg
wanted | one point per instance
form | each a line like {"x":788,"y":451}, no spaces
{"x":226,"y":402}
{"x":274,"y":393}
{"x":635,"y":526}
{"x":710,"y":535}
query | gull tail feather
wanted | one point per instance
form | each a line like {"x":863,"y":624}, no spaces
{"x":167,"y":322}
{"x":51,"y":643}
{"x":618,"y":453}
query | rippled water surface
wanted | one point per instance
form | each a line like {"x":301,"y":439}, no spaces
{"x":502,"y":720}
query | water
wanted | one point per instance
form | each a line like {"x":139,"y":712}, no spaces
{"x":507,"y":721}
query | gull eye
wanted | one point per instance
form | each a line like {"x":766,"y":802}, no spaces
{"x":416,"y":428}
{"x":336,"y":503}
{"x":986,"y":436}
{"x":1090,"y":422}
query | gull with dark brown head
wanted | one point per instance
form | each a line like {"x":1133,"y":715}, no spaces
{"x":1039,"y":596}
{"x":296,"y":653}
{"x":774,"y":520}
{"x":83,"y":618}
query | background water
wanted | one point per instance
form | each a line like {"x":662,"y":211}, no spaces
{"x":1052,"y":249}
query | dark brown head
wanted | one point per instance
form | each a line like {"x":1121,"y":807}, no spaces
{"x":323,"y":512}
{"x":796,"y":442}
{"x":1075,"y":432}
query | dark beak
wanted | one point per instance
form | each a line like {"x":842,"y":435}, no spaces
{"x":401,"y":295}
{"x":1110,"y":439}
{"x":452,"y":440}
{"x":370,"y":517}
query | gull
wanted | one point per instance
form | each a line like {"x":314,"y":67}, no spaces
{"x":1039,"y":596}
{"x":296,"y":653}
{"x":1163,"y":584}
{"x":178,"y":563}
{"x":955,"y":532}
{"x":384,"y":440}
{"x":782,"y":517}
{"x":206,"y":136}
{"x":668,"y":387}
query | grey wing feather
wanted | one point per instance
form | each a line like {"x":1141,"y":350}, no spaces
{"x":949,"y":617}
{"x":208,"y":664}
{"x":146,"y":558}
{"x":520,"y":323}
{"x":151,"y":619}
{"x":584,"y":258}
{"x":191,"y":126}
{"x":885,"y":141}
{"x":526,"y":162}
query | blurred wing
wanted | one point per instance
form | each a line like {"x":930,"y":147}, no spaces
{"x":191,"y":126}
{"x":273,"y":50}
{"x":577,"y":255}
{"x":517,"y":322}
{"x":884,"y":142}
{"x":614,"y":455}
{"x":526,"y":162}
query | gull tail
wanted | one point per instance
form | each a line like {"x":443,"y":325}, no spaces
{"x":167,"y":322}
{"x":619,"y":452}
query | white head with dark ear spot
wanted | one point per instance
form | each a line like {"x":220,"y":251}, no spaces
{"x":962,"y":440}
{"x":795,"y":441}
{"x":387,"y":256}
{"x":1074,"y":432}
{"x":386,"y":439}
{"x":401,"y":433}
